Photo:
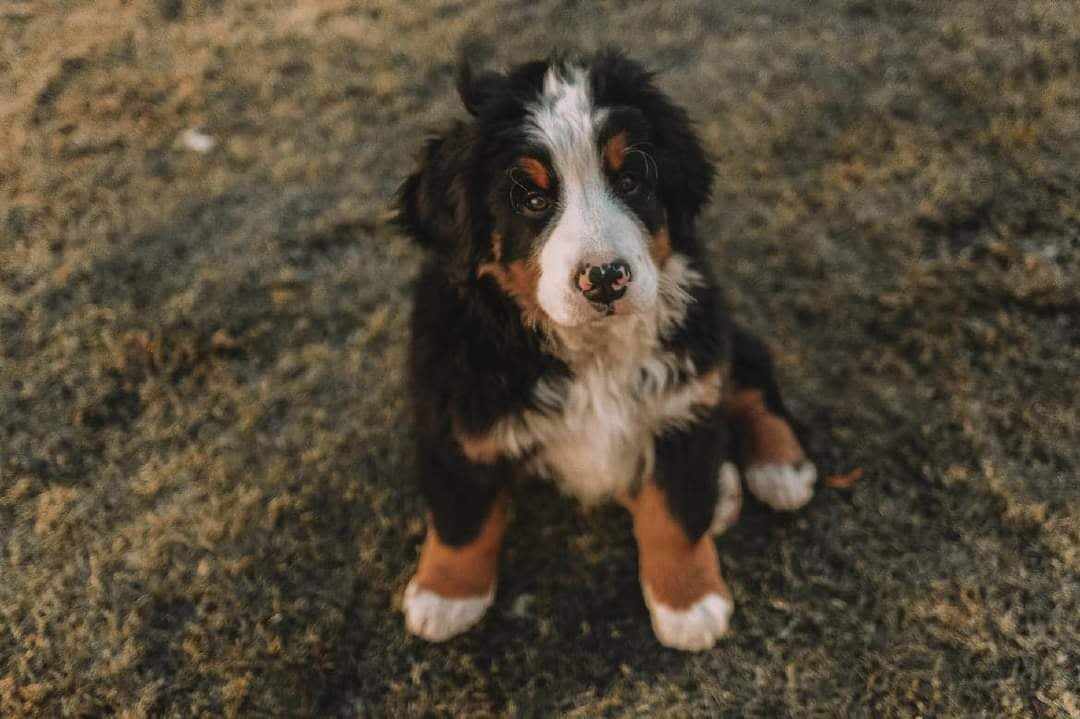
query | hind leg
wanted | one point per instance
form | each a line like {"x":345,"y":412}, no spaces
{"x":776,"y":468}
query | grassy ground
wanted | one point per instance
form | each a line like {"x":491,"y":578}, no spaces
{"x":204,"y":496}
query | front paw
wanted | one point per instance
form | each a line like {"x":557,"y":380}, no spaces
{"x":782,"y":486}
{"x":436,"y":618}
{"x":693,"y":629}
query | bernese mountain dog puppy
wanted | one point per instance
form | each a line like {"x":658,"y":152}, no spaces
{"x":567,"y":325}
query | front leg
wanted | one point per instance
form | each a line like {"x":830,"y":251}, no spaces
{"x":688,"y":601}
{"x":776,"y":468}
{"x":455,"y":580}
{"x":472,"y":364}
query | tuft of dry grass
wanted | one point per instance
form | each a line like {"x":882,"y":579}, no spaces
{"x":204,"y":496}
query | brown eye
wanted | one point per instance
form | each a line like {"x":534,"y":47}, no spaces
{"x":536,"y":203}
{"x":627,"y":184}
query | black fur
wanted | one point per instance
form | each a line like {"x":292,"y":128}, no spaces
{"x":687,"y":465}
{"x":752,"y":367}
{"x":473,"y":360}
{"x":685,"y":169}
{"x":706,"y":334}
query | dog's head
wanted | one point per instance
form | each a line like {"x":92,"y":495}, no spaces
{"x":570,"y":187}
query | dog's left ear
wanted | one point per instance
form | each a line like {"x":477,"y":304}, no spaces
{"x":686,"y":174}
{"x":433,"y":203}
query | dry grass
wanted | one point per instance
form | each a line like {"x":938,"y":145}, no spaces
{"x":204,"y":505}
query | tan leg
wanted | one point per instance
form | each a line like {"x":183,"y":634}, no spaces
{"x":687,"y":598}
{"x":777,"y":470}
{"x":454,"y":586}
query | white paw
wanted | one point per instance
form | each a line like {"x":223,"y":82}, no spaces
{"x":782,"y":486}
{"x":729,"y":502}
{"x":693,"y":629}
{"x":437,"y":618}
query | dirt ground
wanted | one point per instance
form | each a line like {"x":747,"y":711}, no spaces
{"x":205,"y":495}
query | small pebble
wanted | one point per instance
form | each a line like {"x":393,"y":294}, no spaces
{"x":197,"y":140}
{"x":521,"y":606}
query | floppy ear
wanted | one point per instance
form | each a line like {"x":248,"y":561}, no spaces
{"x":433,"y":202}
{"x":686,"y":173}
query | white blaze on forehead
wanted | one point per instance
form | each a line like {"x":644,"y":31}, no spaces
{"x":566,"y":122}
{"x":591,"y":224}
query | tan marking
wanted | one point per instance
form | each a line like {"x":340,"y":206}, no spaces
{"x":496,"y":246}
{"x":480,"y":449}
{"x":536,"y":172}
{"x":769,"y":438}
{"x":676,"y":571}
{"x":710,"y":388}
{"x":660,"y":246}
{"x":469,"y":570}
{"x":519,"y":279}
{"x":615,"y":150}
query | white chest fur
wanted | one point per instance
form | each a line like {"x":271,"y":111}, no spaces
{"x":602,"y":439}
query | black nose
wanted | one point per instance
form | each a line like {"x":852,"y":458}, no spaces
{"x":603,"y":283}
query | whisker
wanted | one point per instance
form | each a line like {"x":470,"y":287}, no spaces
{"x":650,"y":162}
{"x":510,"y":172}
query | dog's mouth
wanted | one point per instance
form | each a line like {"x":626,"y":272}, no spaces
{"x":608,"y":309}
{"x":604,"y":309}
{"x":602,"y":312}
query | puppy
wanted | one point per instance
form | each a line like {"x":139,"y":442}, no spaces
{"x":566,"y":325}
